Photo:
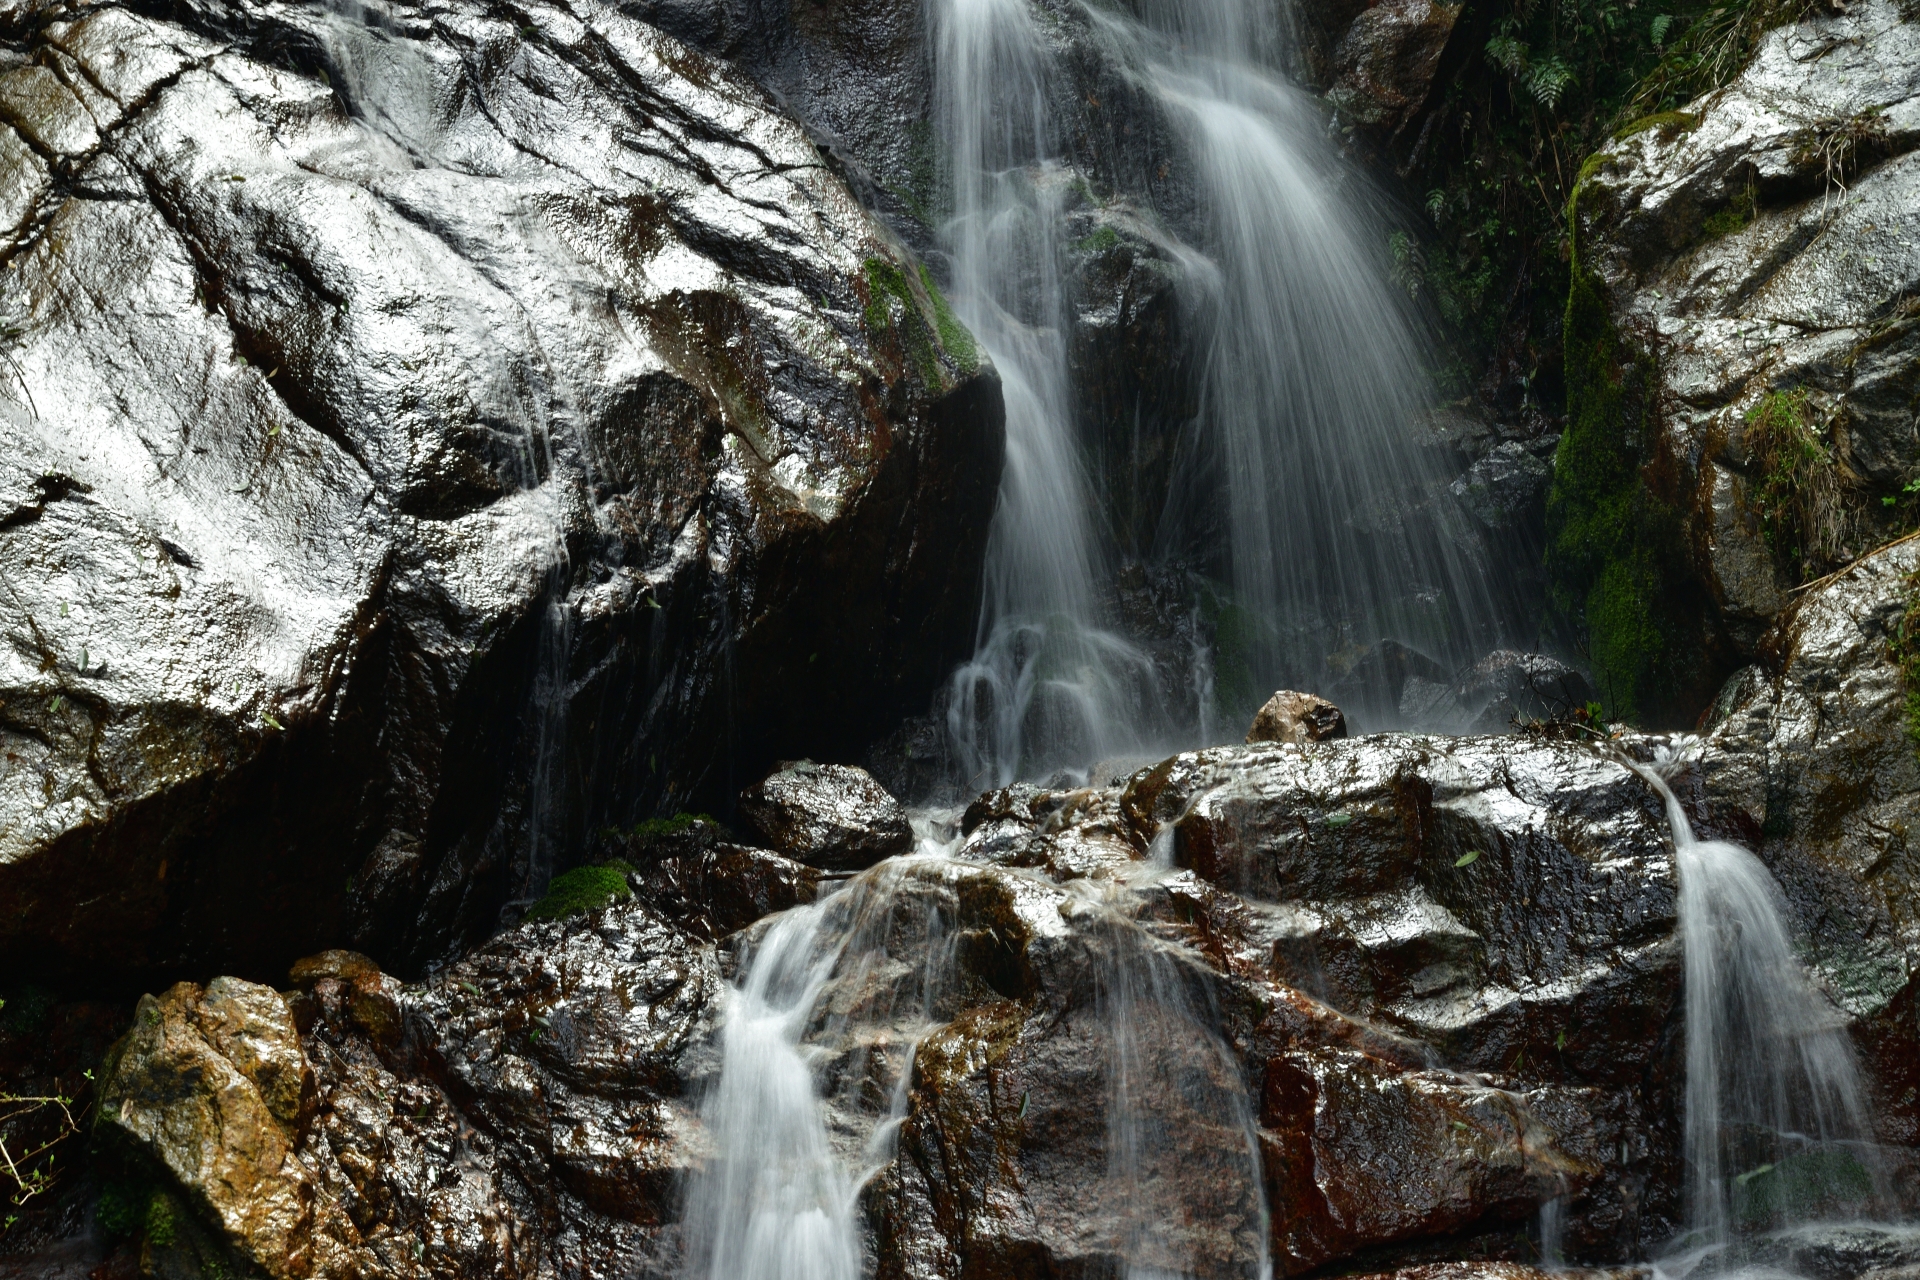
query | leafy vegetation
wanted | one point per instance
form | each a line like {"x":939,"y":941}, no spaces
{"x":1800,"y":496}
{"x":1548,"y":84}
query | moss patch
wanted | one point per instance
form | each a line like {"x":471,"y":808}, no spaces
{"x":655,"y":828}
{"x":1615,"y":558}
{"x":583,"y":889}
{"x":1671,"y":124}
{"x":1735,"y":217}
{"x":894,"y":309}
{"x":953,"y":335}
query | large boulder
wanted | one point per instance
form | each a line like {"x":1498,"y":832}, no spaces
{"x":1743,"y":352}
{"x":528,"y":1110}
{"x":426,"y":437}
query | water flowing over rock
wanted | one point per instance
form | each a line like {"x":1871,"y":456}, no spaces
{"x":1813,"y":765}
{"x":1758,"y":254}
{"x":1366,"y":1001}
{"x":424,"y":436}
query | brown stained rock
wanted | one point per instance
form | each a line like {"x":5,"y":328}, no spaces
{"x":724,"y":888}
{"x":200,"y":1085}
{"x":1289,"y":716}
{"x":1386,"y":61}
{"x":1361,"y":1152}
{"x":833,"y":816}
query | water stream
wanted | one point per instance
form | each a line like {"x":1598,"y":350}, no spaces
{"x":833,"y":1001}
{"x":1776,"y":1129}
{"x":1311,"y":384}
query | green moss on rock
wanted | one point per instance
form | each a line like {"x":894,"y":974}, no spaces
{"x":583,"y":889}
{"x":1670,"y":124}
{"x":1618,"y":584}
{"x":893,"y":308}
{"x":656,"y":828}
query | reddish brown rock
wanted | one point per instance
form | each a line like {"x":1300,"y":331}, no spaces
{"x":1297,"y":717}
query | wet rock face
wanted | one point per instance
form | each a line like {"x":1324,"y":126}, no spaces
{"x":526,"y":1110}
{"x":833,"y":816}
{"x":1378,"y":998}
{"x":1297,"y":717}
{"x":399,"y":420}
{"x":1815,"y":766}
{"x":1759,"y":251}
{"x":1385,"y":62}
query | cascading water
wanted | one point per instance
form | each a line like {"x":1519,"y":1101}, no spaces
{"x":831,"y":1005}
{"x":1776,"y":1126}
{"x":1045,"y":685}
{"x":1311,"y":384}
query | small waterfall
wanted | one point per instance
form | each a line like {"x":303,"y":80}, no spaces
{"x":817,"y":1049}
{"x":1170,"y":1074}
{"x":794,"y":1136}
{"x":777,"y":1205}
{"x":1312,"y":384}
{"x":1776,"y":1129}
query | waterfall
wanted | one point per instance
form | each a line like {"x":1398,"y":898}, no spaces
{"x":1311,"y":374}
{"x":829,"y":1008}
{"x":1046,"y":684}
{"x":1776,"y":1131}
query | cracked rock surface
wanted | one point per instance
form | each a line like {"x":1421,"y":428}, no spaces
{"x":1767,"y":239}
{"x":409,"y":420}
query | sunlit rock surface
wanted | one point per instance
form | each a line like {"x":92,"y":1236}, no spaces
{"x":1767,"y":239}
{"x":426,"y":434}
{"x":833,"y":816}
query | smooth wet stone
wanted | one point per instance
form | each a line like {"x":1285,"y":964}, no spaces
{"x":1765,"y":239}
{"x":1296,"y":717}
{"x":832,"y":816}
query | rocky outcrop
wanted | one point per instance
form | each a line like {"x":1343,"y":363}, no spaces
{"x":523,"y":1112}
{"x":1742,"y":349}
{"x":1815,"y":764}
{"x":1384,"y":64}
{"x":832,"y":816}
{"x":426,"y":437}
{"x":1377,"y":998}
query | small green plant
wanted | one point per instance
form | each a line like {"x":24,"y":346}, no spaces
{"x":582,"y":889}
{"x":48,"y":1123}
{"x":1799,"y":494}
